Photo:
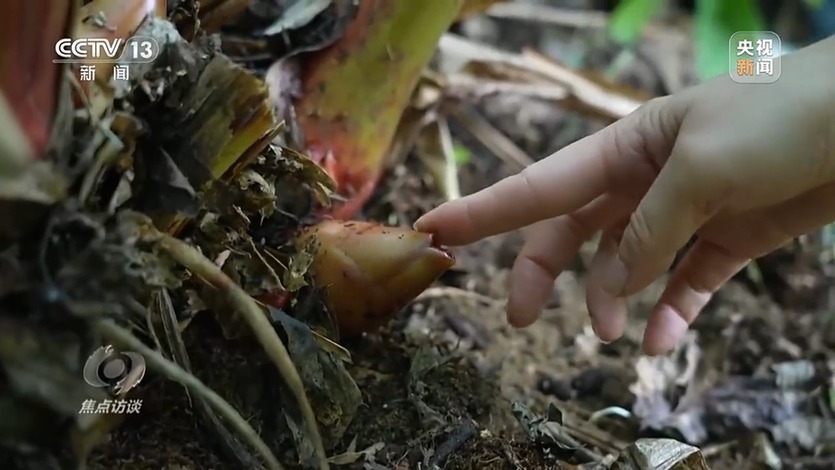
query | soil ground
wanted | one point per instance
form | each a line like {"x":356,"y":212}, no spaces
{"x":491,"y":365}
{"x":557,"y":360}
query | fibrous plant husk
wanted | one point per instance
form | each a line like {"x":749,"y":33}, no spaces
{"x":178,"y":197}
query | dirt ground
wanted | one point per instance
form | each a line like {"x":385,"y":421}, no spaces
{"x":459,"y":413}
{"x":491,"y":365}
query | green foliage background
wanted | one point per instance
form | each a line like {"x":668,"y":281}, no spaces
{"x":715,"y":22}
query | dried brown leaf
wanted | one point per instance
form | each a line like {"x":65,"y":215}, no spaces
{"x":660,"y":454}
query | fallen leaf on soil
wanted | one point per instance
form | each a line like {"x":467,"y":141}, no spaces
{"x":424,"y":360}
{"x":733,"y":405}
{"x":656,"y":384}
{"x":660,"y":454}
{"x":351,"y":455}
{"x":307,"y":173}
{"x":805,"y":431}
{"x":332,"y":392}
{"x":546,"y":431}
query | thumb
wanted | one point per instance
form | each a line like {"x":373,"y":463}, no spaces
{"x":688,"y":191}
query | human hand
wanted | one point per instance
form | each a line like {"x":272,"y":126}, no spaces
{"x":744,"y":168}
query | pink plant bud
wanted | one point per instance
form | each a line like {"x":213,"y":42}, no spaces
{"x":369,"y":272}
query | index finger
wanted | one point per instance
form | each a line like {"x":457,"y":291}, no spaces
{"x":558,"y":184}
{"x":564,"y":181}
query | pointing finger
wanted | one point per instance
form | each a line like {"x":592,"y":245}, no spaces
{"x":561,"y":183}
{"x":553,"y":186}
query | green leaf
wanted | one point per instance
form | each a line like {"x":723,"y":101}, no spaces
{"x":716,"y":22}
{"x":629,"y":19}
{"x":462,"y":154}
{"x":814,"y":4}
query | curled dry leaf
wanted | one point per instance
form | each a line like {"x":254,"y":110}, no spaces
{"x":660,"y":454}
{"x":369,"y":272}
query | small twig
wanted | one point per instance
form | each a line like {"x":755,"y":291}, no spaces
{"x":577,"y":424}
{"x":440,"y":292}
{"x":463,"y":86}
{"x":610,"y":411}
{"x":601,"y":98}
{"x":436,"y":150}
{"x":498,"y":143}
{"x":160,"y":364}
{"x":605,"y":442}
{"x":716,"y":449}
{"x":588,"y":456}
{"x":264,"y":332}
{"x":594,"y":97}
{"x":565,"y":17}
{"x":451,"y":184}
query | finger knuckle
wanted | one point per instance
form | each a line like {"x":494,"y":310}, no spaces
{"x":638,"y":238}
{"x":578,"y":228}
{"x":707,"y":180}
{"x":644,"y":137}
{"x":629,"y":140}
{"x":659,"y":115}
{"x":534,"y":194}
{"x":654,"y":105}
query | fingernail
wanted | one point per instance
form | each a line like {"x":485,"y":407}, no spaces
{"x":597,"y":333}
{"x":613,"y":278}
{"x":665,"y":332}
